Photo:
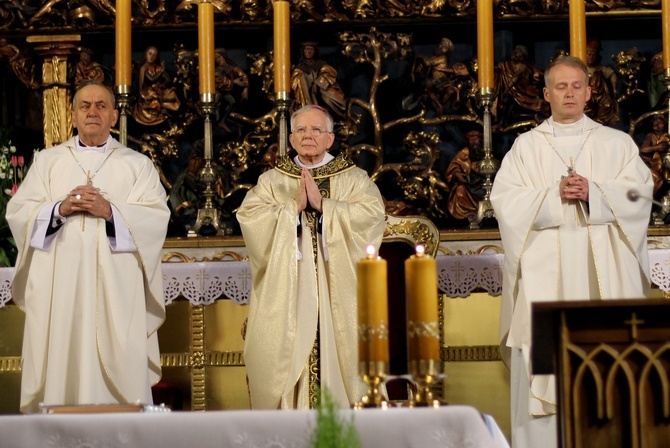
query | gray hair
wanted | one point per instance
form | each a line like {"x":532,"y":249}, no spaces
{"x":329,"y":118}
{"x":93,"y":82}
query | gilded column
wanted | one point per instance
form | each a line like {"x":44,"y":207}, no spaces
{"x":56,"y":93}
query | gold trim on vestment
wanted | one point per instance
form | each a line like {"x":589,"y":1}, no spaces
{"x":338,"y":165}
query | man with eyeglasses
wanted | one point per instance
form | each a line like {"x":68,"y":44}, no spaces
{"x":305,"y":225}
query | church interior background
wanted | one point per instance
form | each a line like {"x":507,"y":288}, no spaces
{"x":400,"y":78}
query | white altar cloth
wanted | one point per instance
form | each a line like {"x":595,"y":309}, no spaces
{"x":449,"y":426}
{"x":201,"y":283}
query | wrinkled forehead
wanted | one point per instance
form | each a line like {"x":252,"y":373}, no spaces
{"x":94,"y":94}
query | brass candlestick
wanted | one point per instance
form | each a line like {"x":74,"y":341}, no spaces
{"x":207,"y":215}
{"x":283,"y":103}
{"x":123,"y":104}
{"x":488,"y":166}
{"x":374,"y":374}
{"x":424,"y":374}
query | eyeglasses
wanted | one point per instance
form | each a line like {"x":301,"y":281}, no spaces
{"x":316,"y":132}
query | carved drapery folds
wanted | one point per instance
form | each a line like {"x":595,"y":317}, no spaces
{"x":403,"y":107}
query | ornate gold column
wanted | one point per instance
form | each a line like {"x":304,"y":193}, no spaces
{"x":56,"y":94}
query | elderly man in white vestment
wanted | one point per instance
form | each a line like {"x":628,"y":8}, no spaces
{"x":568,"y":230}
{"x":306,"y":224}
{"x":89,"y":222}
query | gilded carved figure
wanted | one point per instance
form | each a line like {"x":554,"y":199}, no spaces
{"x":518,"y":87}
{"x":603,"y":105}
{"x":87,"y":68}
{"x":629,"y":65}
{"x":437,"y":81}
{"x":654,"y":152}
{"x":313,"y":81}
{"x":232,"y":85}
{"x":157,"y":96}
{"x":463,"y":178}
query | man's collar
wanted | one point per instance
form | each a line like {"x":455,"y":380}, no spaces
{"x":82,"y":147}
{"x":340,"y":164}
{"x":327,"y":158}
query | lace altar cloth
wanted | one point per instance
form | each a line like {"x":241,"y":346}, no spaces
{"x":450,"y":426}
{"x":459,"y":275}
{"x":201,"y":283}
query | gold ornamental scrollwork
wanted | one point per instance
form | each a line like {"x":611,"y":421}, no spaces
{"x":197,"y":360}
{"x":419,"y":232}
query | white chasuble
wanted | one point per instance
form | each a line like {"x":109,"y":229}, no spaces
{"x":292,"y":296}
{"x":569,"y":250}
{"x":91,"y":314}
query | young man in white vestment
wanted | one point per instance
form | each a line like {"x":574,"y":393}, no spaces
{"x":89,"y":222}
{"x":568,"y":229}
{"x":305,"y":225}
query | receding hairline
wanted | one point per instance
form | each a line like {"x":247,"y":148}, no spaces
{"x":89,"y":83}
{"x":568,"y":61}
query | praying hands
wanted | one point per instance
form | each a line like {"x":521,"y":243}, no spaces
{"x":574,"y":186}
{"x":86,"y":198}
{"x":308,"y":192}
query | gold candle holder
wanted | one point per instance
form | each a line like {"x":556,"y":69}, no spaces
{"x":208,"y":214}
{"x":424,"y":374}
{"x":374,"y":374}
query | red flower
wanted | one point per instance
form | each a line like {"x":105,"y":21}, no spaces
{"x":15,"y":188}
{"x":15,"y":161}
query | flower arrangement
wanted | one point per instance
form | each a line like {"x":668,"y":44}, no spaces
{"x":12,"y":170}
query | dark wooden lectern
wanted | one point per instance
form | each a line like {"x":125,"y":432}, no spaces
{"x":612,"y":361}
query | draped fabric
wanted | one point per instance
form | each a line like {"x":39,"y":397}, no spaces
{"x":292,"y":296}
{"x":569,"y":250}
{"x":91,"y":314}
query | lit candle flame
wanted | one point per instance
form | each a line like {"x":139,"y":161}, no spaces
{"x":420,"y":250}
{"x":371,"y":251}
